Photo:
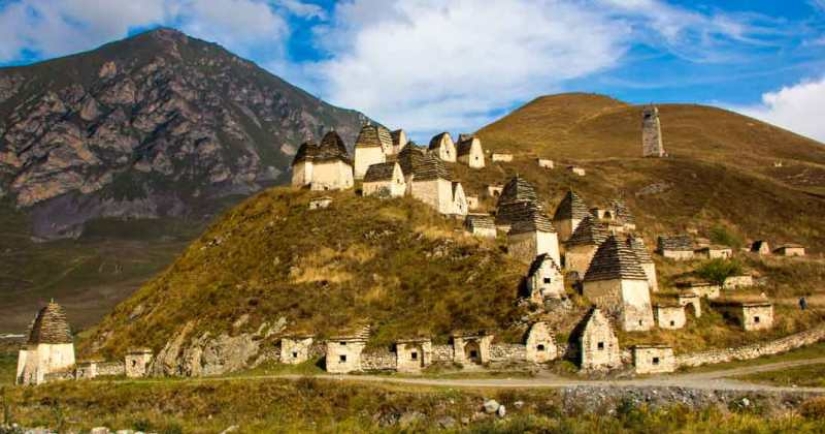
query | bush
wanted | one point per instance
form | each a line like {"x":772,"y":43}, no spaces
{"x":718,"y":270}
{"x":814,"y":408}
{"x":724,"y":236}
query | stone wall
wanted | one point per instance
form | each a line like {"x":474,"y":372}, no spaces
{"x":525,"y":247}
{"x":443,"y":354}
{"x":753,"y":351}
{"x":653,"y":359}
{"x":505,"y":158}
{"x":366,"y":157}
{"x":378,"y":360}
{"x":331,"y":175}
{"x":508,"y":353}
{"x":110,"y":369}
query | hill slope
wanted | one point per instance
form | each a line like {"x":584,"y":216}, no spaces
{"x":721,"y":169}
{"x":395,"y":265}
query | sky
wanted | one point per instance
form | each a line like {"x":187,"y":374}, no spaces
{"x":455,"y":65}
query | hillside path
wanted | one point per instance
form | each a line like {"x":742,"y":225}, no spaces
{"x":711,"y":380}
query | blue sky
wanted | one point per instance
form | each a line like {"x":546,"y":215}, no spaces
{"x":433,"y":65}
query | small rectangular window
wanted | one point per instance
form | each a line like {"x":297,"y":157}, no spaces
{"x":601,"y":345}
{"x":294,"y":354}
{"x":343,"y":343}
{"x":547,"y":280}
{"x":655,"y":360}
{"x":756,"y":319}
{"x":342,"y":358}
{"x":414,"y":355}
{"x":673,"y":323}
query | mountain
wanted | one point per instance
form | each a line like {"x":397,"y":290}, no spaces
{"x":120,"y":156}
{"x":156,"y":125}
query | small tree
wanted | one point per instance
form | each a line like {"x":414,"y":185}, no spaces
{"x":718,"y":270}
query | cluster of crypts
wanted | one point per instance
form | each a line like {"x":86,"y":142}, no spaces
{"x":596,"y":248}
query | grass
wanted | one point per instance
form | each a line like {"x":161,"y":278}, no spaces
{"x":801,"y":376}
{"x":809,"y":352}
{"x":308,"y":405}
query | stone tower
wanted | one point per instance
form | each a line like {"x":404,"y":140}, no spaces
{"x":49,"y":349}
{"x":652,"y":133}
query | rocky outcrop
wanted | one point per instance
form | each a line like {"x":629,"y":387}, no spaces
{"x":206,"y":354}
{"x":145,"y":120}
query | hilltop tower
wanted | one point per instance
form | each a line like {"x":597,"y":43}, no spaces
{"x":652,"y":133}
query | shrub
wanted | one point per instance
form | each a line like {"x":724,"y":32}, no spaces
{"x":814,"y":408}
{"x":724,"y":236}
{"x":718,"y":270}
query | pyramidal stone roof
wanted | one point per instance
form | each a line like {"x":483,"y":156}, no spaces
{"x":590,"y":232}
{"x":50,"y":326}
{"x":332,"y":146}
{"x":380,"y":172}
{"x":517,"y":190}
{"x":396,"y":137}
{"x":374,"y":136}
{"x":614,"y":260}
{"x":535,"y":221}
{"x":306,"y":151}
{"x":571,"y":207}
{"x":480,"y":221}
{"x":410,"y":157}
{"x":430,"y":168}
{"x":539,"y":261}
{"x":623,"y":212}
{"x":637,"y":244}
{"x":436,"y":141}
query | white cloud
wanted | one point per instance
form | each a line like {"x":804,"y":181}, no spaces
{"x":797,"y":108}
{"x":57,"y":27}
{"x":303,"y":10}
{"x":427,"y":64}
{"x":433,"y":64}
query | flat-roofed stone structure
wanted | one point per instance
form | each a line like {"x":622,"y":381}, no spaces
{"x":576,"y":170}
{"x":615,"y":279}
{"x":750,"y":315}
{"x":501,"y":157}
{"x":670,"y":316}
{"x":343,"y":353}
{"x":761,"y":247}
{"x":472,"y":202}
{"x":296,"y":349}
{"x":137,"y":362}
{"x":582,"y":245}
{"x":443,"y":147}
{"x":637,"y":245}
{"x":481,"y":225}
{"x":569,"y":214}
{"x":372,"y":146}
{"x":49,"y":348}
{"x":790,"y":250}
{"x":540,"y":346}
{"x":598,"y":344}
{"x":384,"y":180}
{"x":714,"y":252}
{"x":469,"y":151}
{"x":320,"y":203}
{"x":471,"y":348}
{"x":545,"y":163}
{"x":653,"y":359}
{"x":702,"y":288}
{"x":679,"y":248}
{"x":544,"y":280}
{"x":690,"y":301}
{"x":739,"y":281}
{"x":413,"y":355}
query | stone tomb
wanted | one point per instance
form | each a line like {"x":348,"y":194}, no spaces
{"x":343,"y":354}
{"x":137,"y":362}
{"x":790,"y":250}
{"x":751,"y":315}
{"x":653,"y":359}
{"x":295,"y":349}
{"x":670,"y":316}
{"x":413,"y":355}
{"x":540,"y":344}
{"x":471,"y":349}
{"x":598,"y":344}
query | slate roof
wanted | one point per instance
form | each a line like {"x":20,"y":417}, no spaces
{"x":374,"y":136}
{"x":306,"y":151}
{"x":637,"y":244}
{"x":380,"y":172}
{"x":396,"y":137}
{"x":430,"y":167}
{"x":480,"y":221}
{"x":50,"y":326}
{"x":410,"y":157}
{"x":332,"y":147}
{"x":465,"y":144}
{"x":536,"y":220}
{"x":435,"y":142}
{"x":590,"y":232}
{"x":516,"y":190}
{"x":614,"y":260}
{"x":537,"y":263}
{"x":571,"y":207}
{"x":623,"y":212}
{"x":678,"y":243}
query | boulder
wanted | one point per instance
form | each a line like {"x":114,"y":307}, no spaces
{"x":491,"y":406}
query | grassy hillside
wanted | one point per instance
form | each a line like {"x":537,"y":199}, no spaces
{"x":721,"y":170}
{"x":395,"y":265}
